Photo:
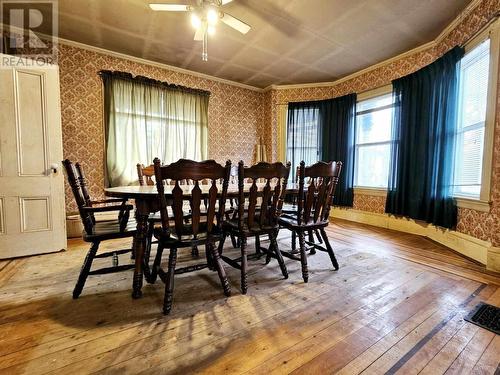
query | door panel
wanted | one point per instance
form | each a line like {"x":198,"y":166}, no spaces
{"x":31,"y":123}
{"x":35,"y":214}
{"x":32,"y":211}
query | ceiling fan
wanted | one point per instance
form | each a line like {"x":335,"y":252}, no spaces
{"x":204,"y":16}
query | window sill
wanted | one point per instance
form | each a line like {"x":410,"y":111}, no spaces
{"x":377,"y":192}
{"x":473,"y":204}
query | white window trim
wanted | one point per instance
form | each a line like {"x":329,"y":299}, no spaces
{"x":365,"y":95}
{"x":379,"y":91}
{"x":483,"y":203}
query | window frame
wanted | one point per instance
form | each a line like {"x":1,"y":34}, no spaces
{"x":370,"y":94}
{"x":483,"y":202}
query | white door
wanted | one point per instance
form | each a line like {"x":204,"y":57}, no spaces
{"x":32,"y":212}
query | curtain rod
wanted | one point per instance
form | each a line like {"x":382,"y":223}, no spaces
{"x":150,"y":81}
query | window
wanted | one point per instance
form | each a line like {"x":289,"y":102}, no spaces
{"x":303,"y":137}
{"x":474,"y":72}
{"x":145,"y":120}
{"x":373,"y":141}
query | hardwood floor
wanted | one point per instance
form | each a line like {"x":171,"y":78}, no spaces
{"x":396,"y":305}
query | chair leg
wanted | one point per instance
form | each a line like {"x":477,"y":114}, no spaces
{"x":329,"y":249}
{"x":149,"y":240}
{"x":84,"y":272}
{"x":312,"y":250}
{"x":234,"y":242}
{"x":257,"y":245}
{"x":303,"y":256}
{"x":318,"y":236}
{"x":221,"y":243}
{"x":169,"y":284}
{"x":310,"y":234}
{"x":294,"y":242}
{"x":210,"y":260}
{"x":153,"y":274}
{"x":220,"y":269}
{"x":243,"y":247}
{"x":281,"y":262}
{"x":194,"y":251}
{"x":268,"y":257}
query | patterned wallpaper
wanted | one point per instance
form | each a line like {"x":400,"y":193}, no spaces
{"x":485,"y":226}
{"x":235,"y":114}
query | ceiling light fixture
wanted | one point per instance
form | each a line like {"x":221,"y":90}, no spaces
{"x":212,"y":16}
{"x":195,"y":20}
{"x":204,"y":16}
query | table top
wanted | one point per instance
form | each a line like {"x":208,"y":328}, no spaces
{"x":135,"y":191}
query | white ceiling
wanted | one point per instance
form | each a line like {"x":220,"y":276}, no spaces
{"x":291,"y":41}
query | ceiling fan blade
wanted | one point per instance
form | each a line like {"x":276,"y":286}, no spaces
{"x":224,"y":2}
{"x":274,"y":15}
{"x":200,"y":31}
{"x":170,"y":7}
{"x":235,"y":23}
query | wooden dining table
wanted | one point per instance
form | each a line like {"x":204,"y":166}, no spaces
{"x":146,"y":203}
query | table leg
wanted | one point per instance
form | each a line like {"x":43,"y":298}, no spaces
{"x":140,"y":246}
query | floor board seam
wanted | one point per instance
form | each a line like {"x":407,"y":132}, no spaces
{"x":402,"y":361}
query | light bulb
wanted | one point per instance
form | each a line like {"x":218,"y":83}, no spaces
{"x":195,"y":20}
{"x":212,"y":16}
{"x":211,"y":30}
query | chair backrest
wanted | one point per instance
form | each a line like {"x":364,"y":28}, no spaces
{"x":313,"y":204}
{"x":261,"y":176}
{"x":77,"y":182}
{"x":145,"y":174}
{"x":83,"y":184}
{"x":196,"y":172}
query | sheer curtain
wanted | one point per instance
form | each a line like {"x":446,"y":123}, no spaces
{"x":145,"y":119}
{"x":303,"y":135}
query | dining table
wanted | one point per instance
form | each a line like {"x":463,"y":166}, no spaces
{"x":146,"y":203}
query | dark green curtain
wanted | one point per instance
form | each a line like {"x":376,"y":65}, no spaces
{"x":425,"y":115}
{"x":324,"y":130}
{"x":337,"y":122}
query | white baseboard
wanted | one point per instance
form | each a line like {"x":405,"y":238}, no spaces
{"x":462,"y":243}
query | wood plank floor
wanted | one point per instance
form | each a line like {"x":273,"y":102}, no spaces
{"x":395,"y":306}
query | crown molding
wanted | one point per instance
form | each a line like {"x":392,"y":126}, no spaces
{"x":139,"y":60}
{"x":446,"y":31}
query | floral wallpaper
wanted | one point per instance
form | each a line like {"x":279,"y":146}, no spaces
{"x":235,"y":113}
{"x":485,"y":226}
{"x":369,"y":203}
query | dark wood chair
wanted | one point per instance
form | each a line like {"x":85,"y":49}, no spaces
{"x":313,"y":209}
{"x":176,"y":233}
{"x":291,"y":208}
{"x":257,"y":214}
{"x":145,"y":174}
{"x":96,"y":231}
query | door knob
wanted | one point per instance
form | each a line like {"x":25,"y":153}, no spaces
{"x":54,"y":167}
